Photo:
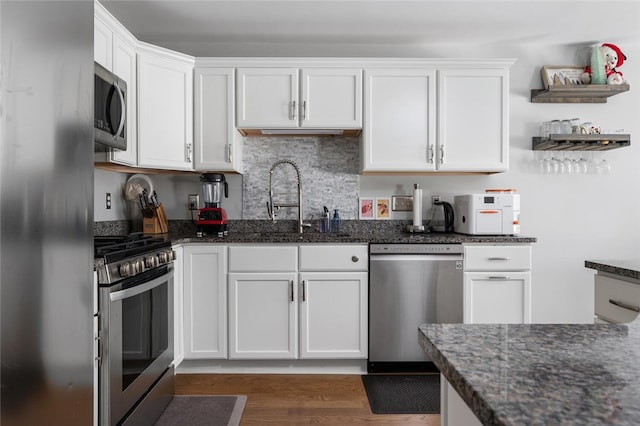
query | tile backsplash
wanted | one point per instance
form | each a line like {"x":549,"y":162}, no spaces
{"x":329,"y":167}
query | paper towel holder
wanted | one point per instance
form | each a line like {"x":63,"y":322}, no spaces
{"x":417,"y":226}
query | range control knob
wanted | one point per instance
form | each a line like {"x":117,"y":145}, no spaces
{"x":163,"y":257}
{"x":139,"y":266}
{"x":125,"y":269}
{"x":151,"y":261}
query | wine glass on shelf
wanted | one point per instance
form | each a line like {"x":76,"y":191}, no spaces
{"x":568,"y":164}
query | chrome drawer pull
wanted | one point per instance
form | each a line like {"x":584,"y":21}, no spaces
{"x":624,"y":305}
{"x":500,"y":258}
{"x":495,"y":277}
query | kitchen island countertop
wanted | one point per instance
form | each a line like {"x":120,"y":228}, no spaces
{"x":629,"y":268}
{"x":541,"y":373}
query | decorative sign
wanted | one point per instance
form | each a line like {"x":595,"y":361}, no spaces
{"x":566,"y":75}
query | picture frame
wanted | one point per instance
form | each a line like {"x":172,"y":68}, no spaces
{"x":383,"y":208}
{"x":366,"y":209}
{"x":561,"y":75}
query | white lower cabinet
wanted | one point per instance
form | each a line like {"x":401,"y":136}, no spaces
{"x":205,"y":301}
{"x":453,"y":410}
{"x":278,"y":310}
{"x":497,"y":284}
{"x":263,"y":313}
{"x":333,"y":315}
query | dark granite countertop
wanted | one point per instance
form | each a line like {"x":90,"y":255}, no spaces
{"x":579,"y":374}
{"x":362,"y":232}
{"x":625,"y":267}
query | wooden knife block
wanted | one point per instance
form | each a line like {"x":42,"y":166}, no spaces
{"x":157,"y":224}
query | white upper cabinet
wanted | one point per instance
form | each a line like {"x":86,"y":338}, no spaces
{"x":439,"y":119}
{"x":165,"y":109}
{"x":217,"y":145}
{"x":114,"y":49}
{"x":473,"y":120}
{"x":290,"y":98}
{"x":399,"y":132}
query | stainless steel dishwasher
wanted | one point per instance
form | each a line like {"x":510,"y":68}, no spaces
{"x":409,"y":285}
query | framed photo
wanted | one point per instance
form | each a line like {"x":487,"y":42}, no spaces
{"x":383,"y":208}
{"x":561,"y":75}
{"x":367,"y":208}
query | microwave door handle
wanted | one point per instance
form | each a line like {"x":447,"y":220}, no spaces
{"x":139,"y":289}
{"x":123,"y":108}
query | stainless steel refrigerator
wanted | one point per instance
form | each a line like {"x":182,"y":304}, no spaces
{"x":46,"y":212}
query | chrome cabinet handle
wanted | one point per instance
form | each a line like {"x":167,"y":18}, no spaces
{"x":304,"y":293}
{"x":291,"y":288}
{"x":293,"y":110}
{"x":123,"y":106}
{"x":355,"y":258}
{"x":188,"y":153}
{"x":499,"y":277}
{"x":499,"y":258}
{"x":441,"y":154}
{"x":430,"y":154}
{"x":229,"y":153}
{"x":624,"y":305}
{"x":304,"y":110}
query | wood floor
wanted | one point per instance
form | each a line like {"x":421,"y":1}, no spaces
{"x":297,"y":399}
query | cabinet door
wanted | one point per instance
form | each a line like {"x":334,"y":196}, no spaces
{"x":178,"y":305}
{"x":205,"y":301}
{"x":497,"y":297}
{"x":331,"y":98}
{"x":333,"y":315}
{"x":217,"y":143}
{"x":399,"y":130}
{"x":102,"y":43}
{"x":473,"y":120}
{"x":263,"y":312}
{"x":165,"y":113}
{"x":124,"y":66}
{"x":267,"y":98}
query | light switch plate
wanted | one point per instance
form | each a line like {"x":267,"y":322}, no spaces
{"x":402,"y":203}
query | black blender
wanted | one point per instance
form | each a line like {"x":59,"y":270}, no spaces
{"x":212,"y":219}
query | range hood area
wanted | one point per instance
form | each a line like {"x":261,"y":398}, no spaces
{"x":300,"y":132}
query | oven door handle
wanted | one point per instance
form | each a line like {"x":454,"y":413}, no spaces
{"x":139,"y":289}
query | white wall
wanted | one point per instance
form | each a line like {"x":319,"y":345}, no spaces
{"x":574,"y":218}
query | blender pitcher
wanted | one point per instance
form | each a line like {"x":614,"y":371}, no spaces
{"x":212,"y":184}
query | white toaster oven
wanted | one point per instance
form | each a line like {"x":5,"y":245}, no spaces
{"x":487,"y":214}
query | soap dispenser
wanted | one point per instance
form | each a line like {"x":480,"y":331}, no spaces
{"x":335,"y":222}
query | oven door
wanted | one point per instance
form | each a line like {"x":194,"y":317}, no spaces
{"x":137,"y":333}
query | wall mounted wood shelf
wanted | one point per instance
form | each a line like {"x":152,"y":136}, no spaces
{"x":580,"y":142}
{"x":588,"y":93}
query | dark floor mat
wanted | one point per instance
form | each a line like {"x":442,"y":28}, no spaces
{"x":403,"y":394}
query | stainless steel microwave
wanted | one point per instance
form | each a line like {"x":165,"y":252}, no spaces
{"x":110,"y":110}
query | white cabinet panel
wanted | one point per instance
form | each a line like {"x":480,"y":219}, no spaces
{"x":333,"y":315}
{"x":217,"y":145}
{"x":267,"y":98}
{"x":165,"y":112}
{"x":334,"y":258}
{"x":205,"y":301}
{"x":616,"y":300}
{"x":399,"y":131}
{"x":493,"y":297}
{"x":473,"y":120}
{"x":497,"y":258}
{"x":331,"y":98}
{"x":249,"y":258}
{"x":263,"y":316}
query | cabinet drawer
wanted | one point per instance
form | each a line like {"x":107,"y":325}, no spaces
{"x":333,"y":258}
{"x":610,"y":293}
{"x":263,"y":259}
{"x":497,"y":258}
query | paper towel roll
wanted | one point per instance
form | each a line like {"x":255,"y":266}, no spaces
{"x":417,"y":206}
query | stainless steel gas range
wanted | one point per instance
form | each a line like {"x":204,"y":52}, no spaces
{"x":135,"y":337}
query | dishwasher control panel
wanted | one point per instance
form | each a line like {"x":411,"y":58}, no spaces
{"x":415,"y":249}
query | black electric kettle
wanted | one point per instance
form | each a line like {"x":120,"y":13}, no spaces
{"x":441,"y":217}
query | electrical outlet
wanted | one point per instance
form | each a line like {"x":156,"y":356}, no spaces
{"x":435,"y":199}
{"x":107,"y":200}
{"x":193,"y":201}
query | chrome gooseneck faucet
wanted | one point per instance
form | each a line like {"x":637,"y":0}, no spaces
{"x":271,"y":207}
